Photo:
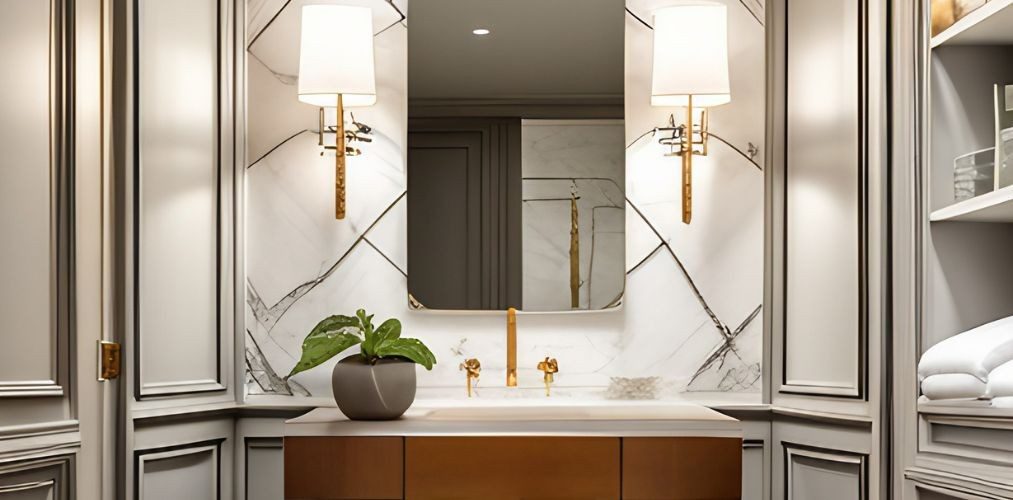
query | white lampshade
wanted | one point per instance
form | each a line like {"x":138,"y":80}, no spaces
{"x":691,"y":55}
{"x":336,"y":56}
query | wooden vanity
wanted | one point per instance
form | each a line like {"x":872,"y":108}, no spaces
{"x":651,"y":452}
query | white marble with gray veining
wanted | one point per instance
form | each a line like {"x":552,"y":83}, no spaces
{"x":690,"y":311}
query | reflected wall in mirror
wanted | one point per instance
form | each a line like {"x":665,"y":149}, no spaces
{"x":516,"y":156}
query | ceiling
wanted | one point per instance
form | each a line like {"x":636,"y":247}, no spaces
{"x":538,"y":50}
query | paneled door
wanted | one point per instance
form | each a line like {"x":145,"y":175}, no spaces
{"x":56,"y":417}
{"x":464,"y":176}
{"x":176,"y":149}
{"x":826,"y":284}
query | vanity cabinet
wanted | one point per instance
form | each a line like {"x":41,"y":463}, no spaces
{"x":682,"y":467}
{"x":512,"y":467}
{"x":330,"y":467}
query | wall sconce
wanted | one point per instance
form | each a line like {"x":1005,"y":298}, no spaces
{"x":336,"y":70}
{"x":690,"y":71}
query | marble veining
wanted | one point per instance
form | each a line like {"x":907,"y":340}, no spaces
{"x":690,"y":314}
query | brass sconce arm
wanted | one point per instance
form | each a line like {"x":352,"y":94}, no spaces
{"x":361,"y":133}
{"x":692,"y":137}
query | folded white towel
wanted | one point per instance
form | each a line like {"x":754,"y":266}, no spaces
{"x":1000,"y":380}
{"x":1005,"y":402}
{"x":953,"y":386}
{"x":975,"y":352}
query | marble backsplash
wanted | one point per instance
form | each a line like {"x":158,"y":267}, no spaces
{"x":691,"y":311}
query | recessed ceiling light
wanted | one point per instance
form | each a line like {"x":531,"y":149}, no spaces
{"x":480,"y":31}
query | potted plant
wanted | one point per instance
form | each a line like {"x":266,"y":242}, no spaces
{"x":378,"y":383}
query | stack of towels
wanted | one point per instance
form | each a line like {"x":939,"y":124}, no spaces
{"x":976,"y":364}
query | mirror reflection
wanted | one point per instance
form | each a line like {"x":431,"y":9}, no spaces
{"x":516,"y":156}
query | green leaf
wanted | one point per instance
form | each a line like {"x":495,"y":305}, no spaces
{"x":368,"y":338}
{"x":389,"y":330}
{"x":330,"y":337}
{"x":413,"y":349}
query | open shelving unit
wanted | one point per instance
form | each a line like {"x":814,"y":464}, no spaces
{"x":968,"y":243}
{"x":996,"y":206}
{"x":989,"y":24}
{"x":967,"y":248}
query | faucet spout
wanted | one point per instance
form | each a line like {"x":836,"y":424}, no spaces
{"x":511,"y":348}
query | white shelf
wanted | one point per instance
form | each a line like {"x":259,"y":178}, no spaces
{"x":996,"y":206}
{"x":990,"y":24}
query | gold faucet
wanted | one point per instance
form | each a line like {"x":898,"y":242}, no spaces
{"x":548,"y":367}
{"x":511,"y":348}
{"x":474,"y":368}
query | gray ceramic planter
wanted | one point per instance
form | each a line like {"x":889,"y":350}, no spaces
{"x":381,"y":391}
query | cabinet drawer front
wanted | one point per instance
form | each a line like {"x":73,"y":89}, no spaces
{"x":501,"y":468}
{"x":359,"y":468}
{"x":682,"y":468}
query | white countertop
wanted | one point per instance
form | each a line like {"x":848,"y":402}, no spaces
{"x":528,"y":418}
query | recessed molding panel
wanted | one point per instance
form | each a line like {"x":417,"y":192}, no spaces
{"x":34,"y":197}
{"x":825,"y":190}
{"x":178,"y":180}
{"x":184,"y":471}
{"x":825,"y":474}
{"x":265,"y":461}
{"x":43,"y":479}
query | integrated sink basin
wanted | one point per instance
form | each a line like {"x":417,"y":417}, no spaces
{"x":486,"y":413}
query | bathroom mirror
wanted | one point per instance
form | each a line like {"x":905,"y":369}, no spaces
{"x":516,"y":154}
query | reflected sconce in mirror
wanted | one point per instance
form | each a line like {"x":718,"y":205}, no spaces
{"x":690,"y":71}
{"x":336,"y":70}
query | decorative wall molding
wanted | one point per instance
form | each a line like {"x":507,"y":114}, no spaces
{"x":224,"y":217}
{"x":38,"y":429}
{"x":816,"y":387}
{"x":62,"y":203}
{"x":958,"y":485}
{"x":148,"y":456}
{"x":792,"y":452}
{"x":275,"y":444}
{"x":49,"y":477}
{"x":983,"y":446}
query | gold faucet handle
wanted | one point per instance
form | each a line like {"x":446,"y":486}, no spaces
{"x":473,"y":369}
{"x":472,"y":366}
{"x":548,"y":367}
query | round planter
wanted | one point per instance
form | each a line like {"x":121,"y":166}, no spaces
{"x":381,"y":391}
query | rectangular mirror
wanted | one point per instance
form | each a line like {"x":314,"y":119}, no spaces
{"x":516,"y":154}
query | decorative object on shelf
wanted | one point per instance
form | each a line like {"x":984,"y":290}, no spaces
{"x":690,"y":71}
{"x":336,"y":70}
{"x":1003,"y":135}
{"x":973,"y":174}
{"x":1005,"y":149}
{"x":473,"y":369}
{"x":962,"y":8}
{"x":633,"y":388}
{"x":378,"y":383}
{"x":947,"y":12}
{"x":548,"y":367}
{"x":942,"y":15}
